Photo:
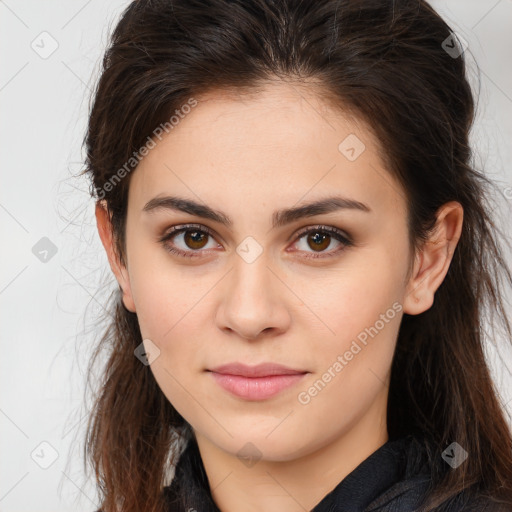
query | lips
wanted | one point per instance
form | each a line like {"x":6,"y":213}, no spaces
{"x":260,"y":370}
{"x":259,"y":382}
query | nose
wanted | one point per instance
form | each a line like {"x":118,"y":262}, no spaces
{"x":253,"y":301}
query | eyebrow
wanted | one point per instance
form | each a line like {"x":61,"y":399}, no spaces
{"x":279,"y":217}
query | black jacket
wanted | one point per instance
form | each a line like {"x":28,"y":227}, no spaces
{"x":395,"y":478}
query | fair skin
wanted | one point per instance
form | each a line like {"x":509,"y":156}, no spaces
{"x":248,"y":157}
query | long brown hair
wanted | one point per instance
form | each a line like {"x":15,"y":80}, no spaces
{"x":390,"y":64}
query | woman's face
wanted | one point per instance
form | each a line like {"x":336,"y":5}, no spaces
{"x":252,"y":286}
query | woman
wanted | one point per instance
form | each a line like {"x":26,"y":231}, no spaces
{"x":304,"y":255}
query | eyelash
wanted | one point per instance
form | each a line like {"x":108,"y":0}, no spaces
{"x":334,"y":232}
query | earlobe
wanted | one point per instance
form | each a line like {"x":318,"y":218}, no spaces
{"x":103,"y":222}
{"x":415,"y":300}
{"x":433,"y":259}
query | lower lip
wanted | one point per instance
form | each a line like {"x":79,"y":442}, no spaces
{"x":256,"y":388}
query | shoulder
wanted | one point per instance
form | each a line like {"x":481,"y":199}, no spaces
{"x":468,"y":501}
{"x":412,"y":491}
{"x":403,"y":496}
{"x":410,"y":495}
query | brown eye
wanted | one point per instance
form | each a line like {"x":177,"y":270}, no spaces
{"x":318,"y":241}
{"x":195,"y":239}
{"x":188,"y":241}
{"x":314,"y":242}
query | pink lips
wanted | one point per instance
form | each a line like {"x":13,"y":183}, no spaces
{"x":256,"y":382}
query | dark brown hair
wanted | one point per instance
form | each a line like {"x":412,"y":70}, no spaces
{"x":388,"y":64}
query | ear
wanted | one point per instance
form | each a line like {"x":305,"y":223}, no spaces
{"x":103,"y":222}
{"x":433,"y":259}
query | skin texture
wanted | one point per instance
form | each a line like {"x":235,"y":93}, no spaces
{"x":247,"y":157}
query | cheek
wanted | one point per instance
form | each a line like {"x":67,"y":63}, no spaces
{"x":362,"y":307}
{"x":163,"y":293}
{"x":351,"y":298}
{"x":360,"y":304}
{"x":167,"y":311}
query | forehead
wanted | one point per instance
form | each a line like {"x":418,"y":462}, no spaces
{"x":280,"y":143}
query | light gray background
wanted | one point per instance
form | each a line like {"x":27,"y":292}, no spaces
{"x":45,"y":331}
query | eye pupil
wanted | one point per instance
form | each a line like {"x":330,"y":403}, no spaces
{"x":319,"y":240}
{"x":194,"y":239}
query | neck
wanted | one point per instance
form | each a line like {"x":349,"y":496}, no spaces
{"x":296,"y":484}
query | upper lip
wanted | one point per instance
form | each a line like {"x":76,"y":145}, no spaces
{"x":259,"y":370}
